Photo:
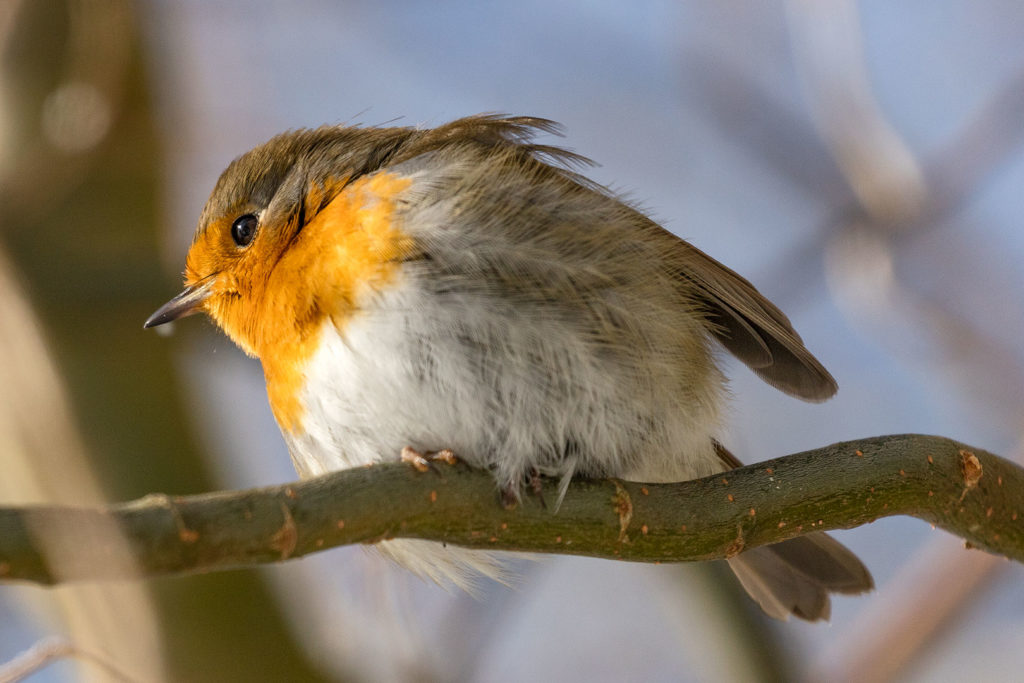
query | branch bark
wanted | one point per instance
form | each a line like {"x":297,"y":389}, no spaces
{"x":967,"y":491}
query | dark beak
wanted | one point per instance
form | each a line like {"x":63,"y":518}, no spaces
{"x":188,"y":302}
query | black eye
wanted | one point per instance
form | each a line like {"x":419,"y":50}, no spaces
{"x":244,"y":229}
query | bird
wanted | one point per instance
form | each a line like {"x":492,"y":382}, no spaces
{"x":465,"y":289}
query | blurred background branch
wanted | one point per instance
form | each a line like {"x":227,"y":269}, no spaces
{"x":890,"y":216}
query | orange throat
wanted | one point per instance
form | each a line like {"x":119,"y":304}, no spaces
{"x":351,"y":248}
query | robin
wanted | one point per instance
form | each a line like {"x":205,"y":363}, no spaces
{"x":464,"y":289}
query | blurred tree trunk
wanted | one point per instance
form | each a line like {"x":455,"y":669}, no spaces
{"x":79,"y":173}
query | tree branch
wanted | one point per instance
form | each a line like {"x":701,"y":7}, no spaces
{"x":967,"y":491}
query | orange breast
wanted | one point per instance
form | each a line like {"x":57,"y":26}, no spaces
{"x":348,"y":248}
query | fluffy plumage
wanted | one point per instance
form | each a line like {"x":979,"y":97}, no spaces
{"x":462,"y":287}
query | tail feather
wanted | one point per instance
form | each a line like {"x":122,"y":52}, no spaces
{"x":795,"y":577}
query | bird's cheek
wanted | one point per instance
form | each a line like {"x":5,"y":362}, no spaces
{"x":216,"y":306}
{"x":223,"y":301}
{"x":231,"y":312}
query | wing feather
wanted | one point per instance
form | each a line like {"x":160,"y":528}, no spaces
{"x":752,"y":328}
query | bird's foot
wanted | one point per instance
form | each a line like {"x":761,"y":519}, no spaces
{"x":425,"y":461}
{"x":510,"y":492}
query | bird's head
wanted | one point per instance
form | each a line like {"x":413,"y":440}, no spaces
{"x":256,"y":218}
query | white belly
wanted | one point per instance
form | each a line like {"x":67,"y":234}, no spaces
{"x":500,"y":391}
{"x":401,"y":373}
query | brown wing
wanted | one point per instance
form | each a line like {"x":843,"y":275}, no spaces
{"x":746,"y":323}
{"x":753,"y":328}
